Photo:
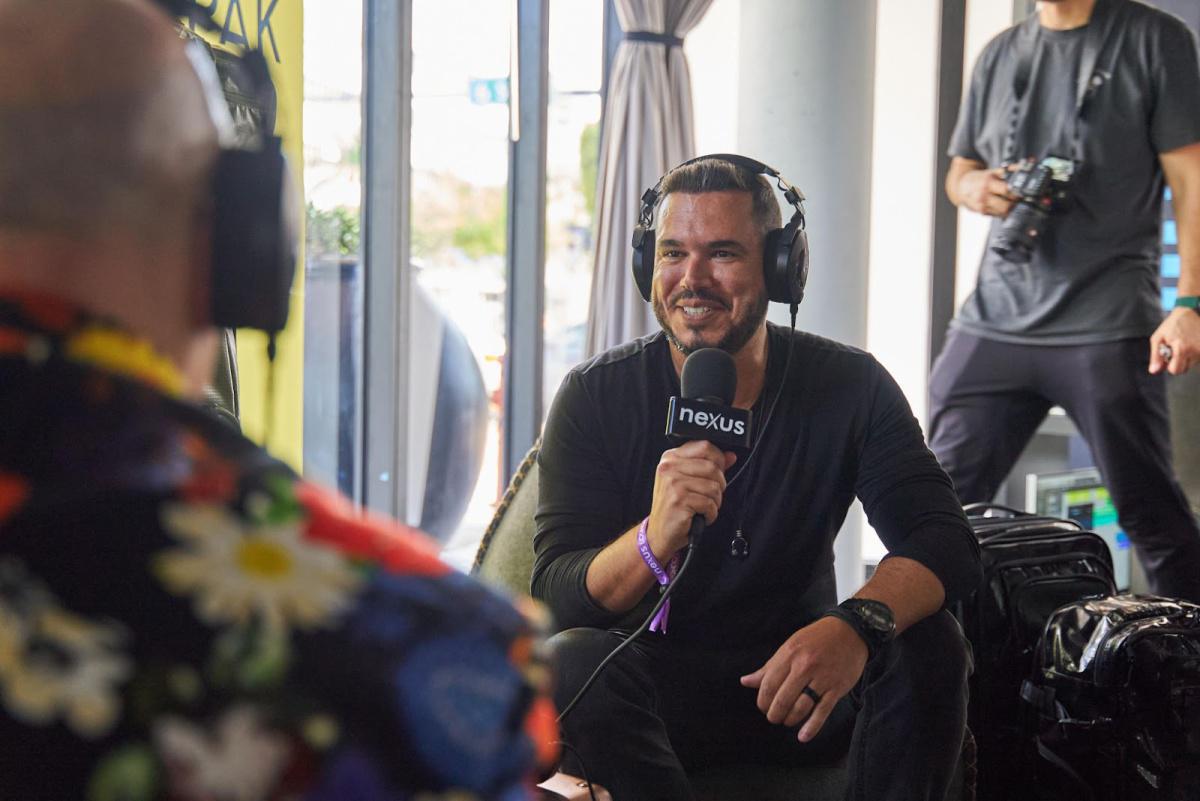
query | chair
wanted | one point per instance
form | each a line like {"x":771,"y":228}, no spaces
{"x":505,"y":559}
{"x":221,"y":396}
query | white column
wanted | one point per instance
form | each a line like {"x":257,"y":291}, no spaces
{"x":806,"y":77}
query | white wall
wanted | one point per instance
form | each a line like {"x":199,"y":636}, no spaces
{"x":712,"y":50}
{"x":903,"y":183}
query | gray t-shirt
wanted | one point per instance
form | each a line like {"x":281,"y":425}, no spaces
{"x":1094,"y":275}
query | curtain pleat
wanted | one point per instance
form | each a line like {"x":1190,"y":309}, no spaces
{"x":648,"y":128}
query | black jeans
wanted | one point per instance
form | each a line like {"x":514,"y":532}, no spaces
{"x":660,"y":710}
{"x":988,"y":398}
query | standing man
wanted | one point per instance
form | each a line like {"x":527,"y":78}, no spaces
{"x":1066,"y":311}
{"x":181,"y":616}
{"x":757,"y":662}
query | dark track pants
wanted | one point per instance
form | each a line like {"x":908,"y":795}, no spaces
{"x":660,"y":710}
{"x":988,"y":398}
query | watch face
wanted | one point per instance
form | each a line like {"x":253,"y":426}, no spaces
{"x":876,"y":616}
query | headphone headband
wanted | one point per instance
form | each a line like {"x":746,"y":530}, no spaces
{"x":793,"y":195}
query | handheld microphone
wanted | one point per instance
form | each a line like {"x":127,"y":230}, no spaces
{"x":705,"y":409}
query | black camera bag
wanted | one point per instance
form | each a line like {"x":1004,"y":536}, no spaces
{"x":1031,"y":566}
{"x":1116,"y":687}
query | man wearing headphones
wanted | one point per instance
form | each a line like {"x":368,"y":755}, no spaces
{"x":756,"y":662}
{"x":1067,"y":309}
{"x":181,"y":616}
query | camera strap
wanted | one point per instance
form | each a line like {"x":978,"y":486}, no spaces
{"x":1105,"y":31}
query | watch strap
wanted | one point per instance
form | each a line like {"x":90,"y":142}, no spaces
{"x":859,"y":626}
{"x":1188,"y":302}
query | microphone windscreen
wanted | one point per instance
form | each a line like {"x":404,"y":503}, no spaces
{"x":709,"y":373}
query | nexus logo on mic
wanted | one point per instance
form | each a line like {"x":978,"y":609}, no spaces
{"x":724,"y":426}
{"x":716,"y":422}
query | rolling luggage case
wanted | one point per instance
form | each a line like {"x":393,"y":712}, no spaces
{"x":1117,"y":693}
{"x":1031,"y":566}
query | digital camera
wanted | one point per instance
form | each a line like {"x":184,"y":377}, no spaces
{"x":1042,"y":189}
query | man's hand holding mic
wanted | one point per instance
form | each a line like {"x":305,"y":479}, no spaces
{"x":690,"y":481}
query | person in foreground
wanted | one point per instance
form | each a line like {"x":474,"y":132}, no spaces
{"x":757,"y":663}
{"x":181,"y":617}
{"x":1070,"y":315}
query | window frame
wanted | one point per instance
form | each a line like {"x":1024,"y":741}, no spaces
{"x":525,"y":299}
{"x":387,"y":266}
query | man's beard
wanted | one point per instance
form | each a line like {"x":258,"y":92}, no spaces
{"x":738,"y":334}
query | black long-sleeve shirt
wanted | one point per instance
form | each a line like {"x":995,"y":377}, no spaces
{"x":841,"y":428}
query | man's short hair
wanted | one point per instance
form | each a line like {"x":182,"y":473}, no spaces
{"x":718,"y":175}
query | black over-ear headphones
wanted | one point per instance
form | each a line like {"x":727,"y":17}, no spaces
{"x":255,"y":208}
{"x":785,"y":250}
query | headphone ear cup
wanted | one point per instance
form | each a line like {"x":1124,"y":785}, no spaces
{"x":254,"y":243}
{"x":785,"y":262}
{"x":643,"y":260}
{"x":798,"y":265}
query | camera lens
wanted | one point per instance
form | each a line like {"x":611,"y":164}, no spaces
{"x":1019,"y":233}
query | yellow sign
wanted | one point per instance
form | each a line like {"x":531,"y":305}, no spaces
{"x":277,"y":27}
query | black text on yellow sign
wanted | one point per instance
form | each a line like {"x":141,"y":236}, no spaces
{"x":232,"y":17}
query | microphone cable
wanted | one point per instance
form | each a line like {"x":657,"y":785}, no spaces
{"x":587,"y":685}
{"x":666,"y":593}
{"x":687,"y":558}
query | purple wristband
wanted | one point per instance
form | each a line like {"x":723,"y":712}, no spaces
{"x":661,"y":574}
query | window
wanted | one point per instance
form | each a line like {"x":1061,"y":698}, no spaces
{"x":333,"y":300}
{"x":572,"y":155}
{"x":438,"y":294}
{"x":460,"y":128}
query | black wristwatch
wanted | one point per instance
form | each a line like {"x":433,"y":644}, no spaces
{"x":871,"y":619}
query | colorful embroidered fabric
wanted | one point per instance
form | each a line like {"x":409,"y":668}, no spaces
{"x":182,"y":618}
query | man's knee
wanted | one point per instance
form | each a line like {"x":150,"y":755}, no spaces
{"x":616,"y":703}
{"x":582,"y":645}
{"x":934,"y":654}
{"x":576,"y":653}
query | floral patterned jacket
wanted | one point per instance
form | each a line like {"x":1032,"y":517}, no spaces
{"x":182,"y":618}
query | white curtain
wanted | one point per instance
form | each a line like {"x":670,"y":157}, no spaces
{"x":648,"y":129}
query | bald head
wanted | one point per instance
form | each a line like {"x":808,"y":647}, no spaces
{"x":103,"y":125}
{"x":107,"y":150}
